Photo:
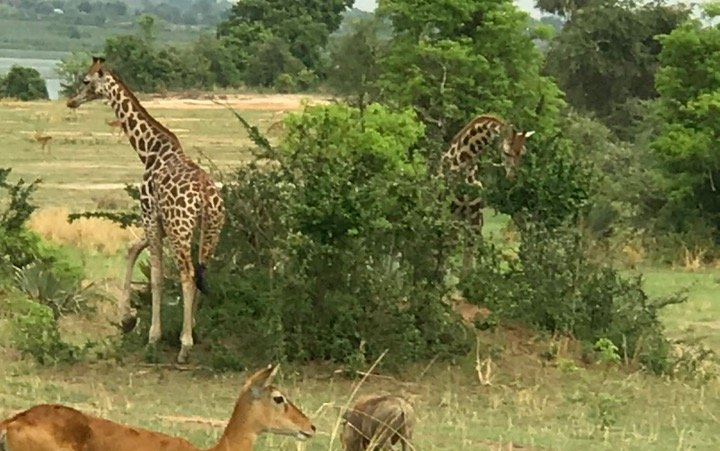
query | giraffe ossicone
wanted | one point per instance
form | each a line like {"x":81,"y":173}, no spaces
{"x":176,"y":197}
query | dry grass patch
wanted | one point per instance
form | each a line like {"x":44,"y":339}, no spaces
{"x":93,"y":234}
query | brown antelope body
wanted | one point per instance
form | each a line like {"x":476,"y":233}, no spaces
{"x":260,"y":408}
{"x":378,"y":422}
{"x":115,"y":123}
{"x":43,"y":139}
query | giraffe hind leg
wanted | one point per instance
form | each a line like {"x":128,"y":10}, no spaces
{"x":180,"y":241}
{"x":156,"y":283}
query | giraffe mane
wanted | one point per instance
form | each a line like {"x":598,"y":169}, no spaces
{"x":139,"y":107}
{"x":473,"y":122}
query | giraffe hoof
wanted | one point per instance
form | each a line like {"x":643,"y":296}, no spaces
{"x":128,"y":323}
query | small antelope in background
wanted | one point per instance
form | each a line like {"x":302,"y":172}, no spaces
{"x":378,"y":422}
{"x":43,"y":139}
{"x":260,"y":408}
{"x":115,"y":123}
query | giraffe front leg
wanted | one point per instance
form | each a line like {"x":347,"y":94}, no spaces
{"x":156,"y":283}
{"x":128,"y":318}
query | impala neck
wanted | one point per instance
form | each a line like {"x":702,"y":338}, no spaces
{"x":238,"y":434}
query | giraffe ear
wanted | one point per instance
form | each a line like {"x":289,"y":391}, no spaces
{"x":530,"y":133}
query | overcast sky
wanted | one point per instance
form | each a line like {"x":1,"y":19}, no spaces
{"x":526,"y":5}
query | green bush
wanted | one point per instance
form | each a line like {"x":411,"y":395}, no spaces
{"x":285,"y":83}
{"x":39,"y":270}
{"x":18,"y":246}
{"x":271,"y":61}
{"x":59,"y":288}
{"x":334,"y":251}
{"x":24,"y":83}
{"x":555,"y":185}
{"x":35,"y":333}
{"x":555,"y":285}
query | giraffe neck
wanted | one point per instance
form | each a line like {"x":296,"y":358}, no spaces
{"x":152,"y":141}
{"x":470,"y":142}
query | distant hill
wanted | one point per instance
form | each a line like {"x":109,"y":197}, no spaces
{"x":100,"y":12}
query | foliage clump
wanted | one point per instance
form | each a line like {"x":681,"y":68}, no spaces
{"x":23,"y":83}
{"x":555,"y":284}
{"x":35,"y":334}
{"x":39,"y":271}
{"x":334,"y":248}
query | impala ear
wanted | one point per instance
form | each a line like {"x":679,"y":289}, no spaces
{"x":530,"y":133}
{"x":261,"y":379}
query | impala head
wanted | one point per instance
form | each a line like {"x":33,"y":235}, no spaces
{"x":94,"y":84}
{"x":513,"y":148}
{"x":269,"y":410}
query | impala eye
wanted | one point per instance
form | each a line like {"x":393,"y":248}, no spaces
{"x":278,"y":399}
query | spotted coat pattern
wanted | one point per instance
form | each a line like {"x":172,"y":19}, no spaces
{"x":177,"y":197}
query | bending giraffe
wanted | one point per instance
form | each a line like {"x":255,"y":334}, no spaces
{"x":176,"y":196}
{"x":461,"y":159}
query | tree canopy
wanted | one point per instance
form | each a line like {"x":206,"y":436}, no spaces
{"x":454,"y":59}
{"x":303,"y":26}
{"x":689,"y":108}
{"x":607,"y":54}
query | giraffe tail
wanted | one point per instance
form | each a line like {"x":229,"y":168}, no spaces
{"x":199,"y":279}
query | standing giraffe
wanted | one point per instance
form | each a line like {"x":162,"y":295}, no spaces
{"x":175,"y":196}
{"x":461,"y":159}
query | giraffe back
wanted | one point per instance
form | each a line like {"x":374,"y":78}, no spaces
{"x":478,"y":135}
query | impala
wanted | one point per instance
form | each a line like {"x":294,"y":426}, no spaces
{"x":260,"y":408}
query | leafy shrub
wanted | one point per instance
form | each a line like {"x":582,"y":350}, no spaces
{"x":62,"y":292}
{"x":18,"y":247}
{"x":40,"y":270}
{"x":24,"y":83}
{"x":555,"y":185}
{"x":71,"y":69}
{"x":284,"y":83}
{"x":35,"y":333}
{"x":271,"y":59}
{"x":555,"y":285}
{"x":333,"y":251}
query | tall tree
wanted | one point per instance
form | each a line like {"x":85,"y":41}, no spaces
{"x":607,"y":55}
{"x":355,"y":61}
{"x":689,"y":143}
{"x":453,"y":59}
{"x":305,"y":26}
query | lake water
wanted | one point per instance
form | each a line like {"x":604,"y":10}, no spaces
{"x":46,"y":67}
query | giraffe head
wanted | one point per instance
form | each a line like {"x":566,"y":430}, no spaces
{"x":95,"y":84}
{"x":513,"y":148}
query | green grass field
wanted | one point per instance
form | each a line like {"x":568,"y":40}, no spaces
{"x":531,"y":404}
{"x":86,"y":162}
